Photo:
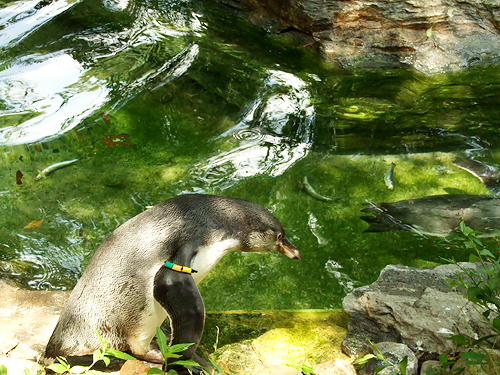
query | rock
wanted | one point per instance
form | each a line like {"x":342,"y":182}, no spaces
{"x":414,"y":306}
{"x":275,"y":339}
{"x":238,"y":358}
{"x":306,"y":342}
{"x":394,"y":353}
{"x":336,"y":366}
{"x":20,"y":366}
{"x":429,"y":36}
{"x":275,"y":370}
{"x":137,"y":367}
{"x":431,"y":367}
{"x":27,"y":318}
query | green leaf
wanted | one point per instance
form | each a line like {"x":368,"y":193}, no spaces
{"x":162,"y":341}
{"x":458,"y":340}
{"x":96,"y":355}
{"x":179,"y":348}
{"x":26,"y":371}
{"x":307,"y":369}
{"x":119,"y":354}
{"x":3,"y":369}
{"x":428,"y":33}
{"x":496,"y":323}
{"x":104,"y":343}
{"x":463,"y":228}
{"x":480,"y":340}
{"x":106,"y":360}
{"x":154,"y":370}
{"x":304,"y":369}
{"x":364,"y":359}
{"x":186,"y":363}
{"x":444,"y":361}
{"x":380,"y":368}
{"x":473,"y":358}
{"x":59,"y":368}
{"x":473,"y":293}
{"x":476,"y":240}
{"x":473,"y":258}
{"x":403,"y":365}
{"x":453,"y":236}
{"x":78,"y":369}
{"x":486,"y":253}
{"x":494,"y":282}
{"x":379,"y":355}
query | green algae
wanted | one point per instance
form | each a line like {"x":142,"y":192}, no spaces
{"x":185,"y":132}
{"x":275,"y":337}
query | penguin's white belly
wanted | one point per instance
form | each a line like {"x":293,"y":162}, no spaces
{"x":208,"y":256}
{"x":153,"y":317}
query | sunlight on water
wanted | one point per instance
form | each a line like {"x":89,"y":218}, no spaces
{"x":23,"y":18}
{"x":156,"y":99}
{"x":51,"y":87}
{"x":262,"y":149}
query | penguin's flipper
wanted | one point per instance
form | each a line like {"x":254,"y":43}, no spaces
{"x":178,"y":294}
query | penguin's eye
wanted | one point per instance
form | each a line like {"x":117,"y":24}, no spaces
{"x":279,"y":237}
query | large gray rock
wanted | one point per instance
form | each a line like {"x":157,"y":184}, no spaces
{"x":414,"y":306}
{"x":370,"y":33}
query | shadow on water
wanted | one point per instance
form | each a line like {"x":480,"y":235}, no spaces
{"x":162,"y":98}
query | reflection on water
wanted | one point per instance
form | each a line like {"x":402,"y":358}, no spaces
{"x":25,"y":17}
{"x":284,"y":101}
{"x":157,"y":99}
{"x":50,"y":91}
{"x":264,"y":146}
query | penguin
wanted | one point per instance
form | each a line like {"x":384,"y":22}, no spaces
{"x":145,"y":271}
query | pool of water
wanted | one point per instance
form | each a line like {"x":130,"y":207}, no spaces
{"x":160,"y":98}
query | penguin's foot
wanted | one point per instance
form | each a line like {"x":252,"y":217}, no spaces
{"x":153,"y":355}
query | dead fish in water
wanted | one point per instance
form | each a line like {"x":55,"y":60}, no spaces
{"x":310,"y":190}
{"x":489,"y":176}
{"x":54,"y":167}
{"x":437,"y":215}
{"x":389,"y":177}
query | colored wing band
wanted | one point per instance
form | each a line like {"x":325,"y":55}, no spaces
{"x":179,"y":268}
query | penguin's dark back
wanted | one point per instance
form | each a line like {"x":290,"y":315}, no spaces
{"x":219,"y":212}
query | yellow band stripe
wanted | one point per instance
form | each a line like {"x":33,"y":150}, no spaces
{"x":179,"y":268}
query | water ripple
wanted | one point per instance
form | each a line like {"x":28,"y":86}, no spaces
{"x":248,"y":135}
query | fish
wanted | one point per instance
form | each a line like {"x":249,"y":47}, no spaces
{"x":54,"y":167}
{"x":389,"y":177}
{"x":310,"y":190}
{"x":437,"y":215}
{"x":489,"y":176}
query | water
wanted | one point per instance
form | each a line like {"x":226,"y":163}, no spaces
{"x":162,"y":98}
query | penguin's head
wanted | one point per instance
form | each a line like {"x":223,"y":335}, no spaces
{"x":271,"y":240}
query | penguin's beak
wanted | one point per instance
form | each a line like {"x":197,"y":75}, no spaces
{"x":286,"y":247}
